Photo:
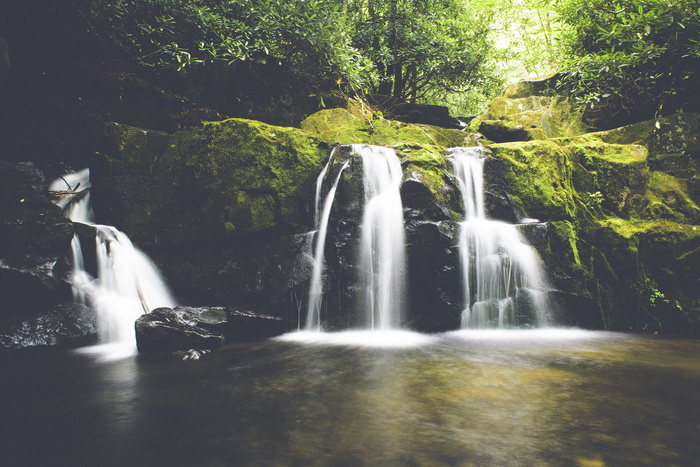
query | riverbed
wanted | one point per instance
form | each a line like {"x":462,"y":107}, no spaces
{"x":464,"y":398}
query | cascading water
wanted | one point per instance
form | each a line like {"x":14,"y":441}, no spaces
{"x":313,"y":320}
{"x":127,"y":285}
{"x":382,"y":246}
{"x":382,"y":256}
{"x":502,"y":278}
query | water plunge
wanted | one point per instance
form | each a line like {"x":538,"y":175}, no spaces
{"x":127,"y":284}
{"x":502,"y":277}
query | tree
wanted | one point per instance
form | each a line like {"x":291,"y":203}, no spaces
{"x":422,"y":47}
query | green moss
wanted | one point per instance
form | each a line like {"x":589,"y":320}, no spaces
{"x":567,"y":231}
{"x":531,"y":117}
{"x":339,"y":125}
{"x":135,"y":148}
{"x":668,"y":198}
{"x":428,"y":164}
{"x":252,"y":169}
{"x":539,"y":178}
{"x":617,"y":172}
{"x":654,"y":227}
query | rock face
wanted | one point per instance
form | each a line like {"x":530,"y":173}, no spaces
{"x":226,"y":210}
{"x":34,"y":245}
{"x":529,"y":110}
{"x":201,"y":328}
{"x":622,"y":216}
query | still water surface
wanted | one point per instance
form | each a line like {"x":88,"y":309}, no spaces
{"x":481,"y":398}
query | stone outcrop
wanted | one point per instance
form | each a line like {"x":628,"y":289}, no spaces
{"x":34,"y":245}
{"x":530,"y":110}
{"x":226,"y":209}
{"x":201,"y":328}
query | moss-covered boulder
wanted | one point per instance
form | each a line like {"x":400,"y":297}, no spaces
{"x":621,"y":213}
{"x":538,"y":177}
{"x":219,"y":208}
{"x":527,"y":118}
{"x":341,"y":126}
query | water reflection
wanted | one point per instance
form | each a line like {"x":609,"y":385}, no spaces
{"x":463,"y":398}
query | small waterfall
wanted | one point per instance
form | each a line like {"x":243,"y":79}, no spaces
{"x":502,"y":278}
{"x":127,"y":285}
{"x":382,"y":246}
{"x":381,"y":262}
{"x":313,"y":320}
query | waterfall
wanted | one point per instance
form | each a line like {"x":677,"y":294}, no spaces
{"x":382,"y":245}
{"x":127,"y":283}
{"x":381,"y":263}
{"x":502,"y":277}
{"x":313,"y":320}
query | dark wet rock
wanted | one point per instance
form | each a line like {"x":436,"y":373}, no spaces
{"x":397,"y":109}
{"x":248,"y":325}
{"x":34,"y":244}
{"x":165,"y":330}
{"x":64,"y":326}
{"x":202,"y":328}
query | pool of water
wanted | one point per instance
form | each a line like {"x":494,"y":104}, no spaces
{"x":481,"y":398}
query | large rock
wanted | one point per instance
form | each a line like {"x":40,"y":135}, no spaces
{"x":621,"y":218}
{"x":34,"y":245}
{"x":342,"y":126}
{"x":202,"y":328}
{"x":165,"y":330}
{"x":530,"y":109}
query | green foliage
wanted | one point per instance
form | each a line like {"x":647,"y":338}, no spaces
{"x":411,"y":49}
{"x":637,"y":56}
{"x":421,"y":48}
{"x":307,"y":36}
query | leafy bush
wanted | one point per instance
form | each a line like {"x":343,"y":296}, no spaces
{"x":410,"y":49}
{"x":305,"y":36}
{"x":638,"y":57}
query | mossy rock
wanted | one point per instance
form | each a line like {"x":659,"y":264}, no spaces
{"x":538,"y":175}
{"x":254,"y":174}
{"x":341,"y":126}
{"x":668,"y":198}
{"x":616,"y":173}
{"x":429,"y":165}
{"x":527,"y":118}
{"x":540,"y":86}
{"x":135,"y":149}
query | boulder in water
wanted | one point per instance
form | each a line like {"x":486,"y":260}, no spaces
{"x":167,"y":330}
{"x":185,"y":327}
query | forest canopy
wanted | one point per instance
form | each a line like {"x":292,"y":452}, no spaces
{"x":612,"y":56}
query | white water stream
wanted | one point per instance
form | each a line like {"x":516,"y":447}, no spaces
{"x":127,"y":285}
{"x":382,"y":249}
{"x":502,"y":277}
